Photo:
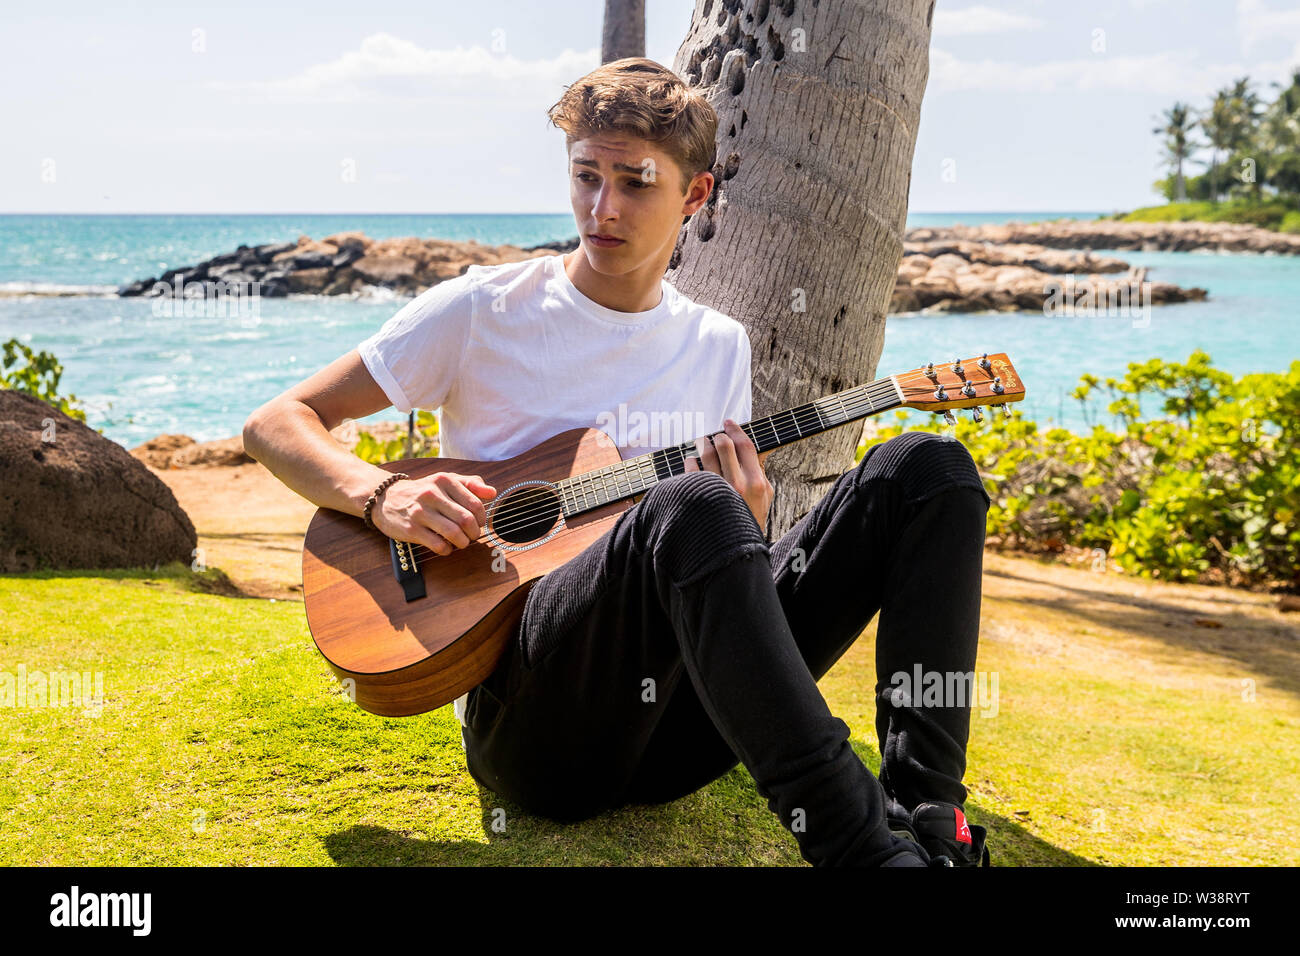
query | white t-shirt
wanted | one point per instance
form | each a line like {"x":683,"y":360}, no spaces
{"x":513,"y":354}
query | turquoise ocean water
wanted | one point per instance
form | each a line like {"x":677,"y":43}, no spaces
{"x":139,"y":374}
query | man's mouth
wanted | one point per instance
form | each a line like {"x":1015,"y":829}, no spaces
{"x":602,"y":240}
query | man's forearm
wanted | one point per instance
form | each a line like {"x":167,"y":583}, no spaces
{"x":291,"y":441}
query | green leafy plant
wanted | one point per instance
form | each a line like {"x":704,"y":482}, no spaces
{"x":38,"y":376}
{"x":422,"y":443}
{"x":1203,"y":487}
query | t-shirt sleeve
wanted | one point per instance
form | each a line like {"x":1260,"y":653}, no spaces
{"x":415,"y":356}
{"x":740,"y":401}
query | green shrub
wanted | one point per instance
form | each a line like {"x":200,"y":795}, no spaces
{"x":425,"y":444}
{"x":38,"y":376}
{"x":1206,"y":489}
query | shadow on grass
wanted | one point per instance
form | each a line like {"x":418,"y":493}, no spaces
{"x":208,"y":581}
{"x":517,"y":838}
{"x":1263,"y":647}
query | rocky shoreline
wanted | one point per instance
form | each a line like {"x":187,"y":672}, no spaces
{"x":960,"y":269}
{"x":964,"y":275}
{"x":1113,"y":234}
{"x":169,"y":452}
{"x":341,"y":264}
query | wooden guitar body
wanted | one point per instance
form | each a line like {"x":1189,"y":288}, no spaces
{"x":409,"y":630}
{"x":407,"y":657}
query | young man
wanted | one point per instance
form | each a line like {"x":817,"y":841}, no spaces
{"x":682,"y":642}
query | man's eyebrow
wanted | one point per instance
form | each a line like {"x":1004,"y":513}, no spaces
{"x":620,"y":167}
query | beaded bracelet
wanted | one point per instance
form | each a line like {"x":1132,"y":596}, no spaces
{"x":374,"y":495}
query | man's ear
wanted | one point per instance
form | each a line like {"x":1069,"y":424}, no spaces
{"x":708,"y":181}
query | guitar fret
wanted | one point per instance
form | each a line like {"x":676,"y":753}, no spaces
{"x":633,"y":476}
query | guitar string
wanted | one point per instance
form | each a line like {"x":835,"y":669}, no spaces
{"x":871,"y":392}
{"x":868,"y":392}
{"x":677,"y":458}
{"x":877,"y":388}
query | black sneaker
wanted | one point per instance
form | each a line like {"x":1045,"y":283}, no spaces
{"x":942,"y":830}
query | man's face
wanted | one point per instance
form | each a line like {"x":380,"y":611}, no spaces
{"x":624,"y":187}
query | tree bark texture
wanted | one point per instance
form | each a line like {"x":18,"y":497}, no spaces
{"x":624,"y":31}
{"x":818,"y":104}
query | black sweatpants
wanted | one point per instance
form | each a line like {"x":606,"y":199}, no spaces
{"x":682,"y":642}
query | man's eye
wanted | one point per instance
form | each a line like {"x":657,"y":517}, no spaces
{"x":588,"y":175}
{"x":639,"y":183}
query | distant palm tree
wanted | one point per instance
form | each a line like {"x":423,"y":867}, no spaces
{"x":1279,"y":136}
{"x":1219,"y":124}
{"x":1245,"y":127}
{"x":1177,"y":131}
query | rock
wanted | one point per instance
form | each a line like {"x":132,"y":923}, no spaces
{"x":157,"y":452}
{"x":268,"y":252}
{"x":310,"y":260}
{"x":317,"y":253}
{"x":80,"y":501}
{"x":944,"y":274}
{"x":311,"y":281}
{"x":1111,"y":234}
{"x":341,"y":284}
{"x":349,"y":241}
{"x":136,"y":288}
{"x":274,"y":284}
{"x":560,"y":245}
{"x":385,"y":270}
{"x":224,"y":451}
{"x":408,"y":265}
{"x":347,"y":256}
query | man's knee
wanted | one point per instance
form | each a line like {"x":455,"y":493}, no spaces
{"x":690,"y":519}
{"x":922,"y":463}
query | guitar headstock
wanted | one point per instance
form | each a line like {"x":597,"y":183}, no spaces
{"x":963,"y":383}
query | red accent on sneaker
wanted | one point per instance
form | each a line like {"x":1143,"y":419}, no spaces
{"x":963,"y":831}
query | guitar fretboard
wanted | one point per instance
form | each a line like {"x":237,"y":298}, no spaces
{"x":635,"y":475}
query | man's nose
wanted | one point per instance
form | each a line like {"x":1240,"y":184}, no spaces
{"x":605,"y":207}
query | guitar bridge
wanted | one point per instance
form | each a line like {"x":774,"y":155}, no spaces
{"x":407,"y":570}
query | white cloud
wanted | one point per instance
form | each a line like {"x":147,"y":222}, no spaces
{"x":1258,"y":24}
{"x":386,"y":67}
{"x":977,"y":19}
{"x":1179,"y":73}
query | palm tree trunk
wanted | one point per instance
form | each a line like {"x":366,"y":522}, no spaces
{"x":624,"y":32}
{"x":1180,"y":185}
{"x":800,"y":241}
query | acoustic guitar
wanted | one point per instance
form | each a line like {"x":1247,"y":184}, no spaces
{"x":409,"y":630}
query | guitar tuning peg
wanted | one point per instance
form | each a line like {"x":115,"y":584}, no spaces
{"x":949,"y":417}
{"x":1006,"y":409}
{"x":984,"y":362}
{"x":976,"y":415}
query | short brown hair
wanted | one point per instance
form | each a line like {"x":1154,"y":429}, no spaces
{"x":644,"y":98}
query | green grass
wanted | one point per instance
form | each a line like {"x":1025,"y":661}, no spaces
{"x":224,"y":739}
{"x":1276,"y":214}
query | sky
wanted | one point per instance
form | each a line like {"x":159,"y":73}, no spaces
{"x":1031,"y":105}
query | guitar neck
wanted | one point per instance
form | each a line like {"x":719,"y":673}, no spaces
{"x":635,"y":475}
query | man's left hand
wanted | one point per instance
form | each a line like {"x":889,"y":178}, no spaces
{"x":732,"y":455}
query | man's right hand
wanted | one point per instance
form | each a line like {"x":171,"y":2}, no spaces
{"x":442,"y":511}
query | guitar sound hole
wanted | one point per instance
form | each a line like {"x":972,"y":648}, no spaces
{"x":526,"y":514}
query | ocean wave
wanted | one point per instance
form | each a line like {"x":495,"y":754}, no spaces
{"x":39,"y":289}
